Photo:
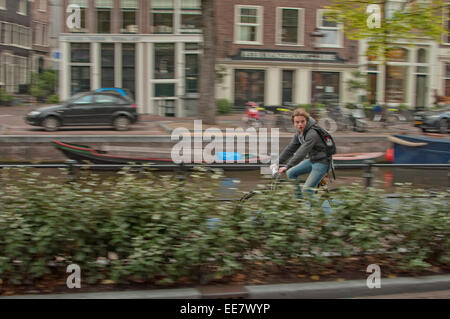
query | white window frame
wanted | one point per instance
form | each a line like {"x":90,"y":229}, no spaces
{"x":22,"y":8}
{"x":300,"y":27}
{"x":2,"y":4}
{"x":259,"y":25}
{"x":338,"y":28}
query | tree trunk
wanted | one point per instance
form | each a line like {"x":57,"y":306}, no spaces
{"x":207,"y":83}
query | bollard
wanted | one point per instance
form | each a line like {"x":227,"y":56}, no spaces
{"x":71,"y":168}
{"x":368,"y":174}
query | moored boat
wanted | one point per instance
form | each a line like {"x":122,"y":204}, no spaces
{"x":357,"y":158}
{"x":87,"y":155}
{"x":421,"y":149}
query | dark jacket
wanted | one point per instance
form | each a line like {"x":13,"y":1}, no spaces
{"x":312,"y":146}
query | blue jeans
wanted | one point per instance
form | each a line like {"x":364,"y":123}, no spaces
{"x":317,"y":173}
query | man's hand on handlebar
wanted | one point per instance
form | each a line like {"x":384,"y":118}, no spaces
{"x":281,"y":170}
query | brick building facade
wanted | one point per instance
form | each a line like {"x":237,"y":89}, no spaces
{"x":268,"y":54}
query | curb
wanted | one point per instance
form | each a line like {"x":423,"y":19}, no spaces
{"x":317,"y":290}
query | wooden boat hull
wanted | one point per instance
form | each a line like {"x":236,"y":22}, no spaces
{"x":357,"y":158}
{"x":421,"y":149}
{"x":86,"y":155}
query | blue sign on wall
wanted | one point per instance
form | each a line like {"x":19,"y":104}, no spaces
{"x":56,"y":55}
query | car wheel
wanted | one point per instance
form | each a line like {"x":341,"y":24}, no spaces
{"x":443,"y":126}
{"x":51,"y":124}
{"x":121,"y":123}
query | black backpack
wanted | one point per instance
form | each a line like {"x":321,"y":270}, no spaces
{"x":330,"y":145}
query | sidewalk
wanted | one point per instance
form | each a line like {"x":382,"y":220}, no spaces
{"x":434,"y":287}
{"x":12,"y":123}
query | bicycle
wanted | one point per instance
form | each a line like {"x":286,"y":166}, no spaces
{"x":276,"y":181}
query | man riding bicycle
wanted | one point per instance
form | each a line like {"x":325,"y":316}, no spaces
{"x":308,"y":151}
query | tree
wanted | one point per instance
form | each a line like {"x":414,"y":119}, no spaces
{"x":207,"y":83}
{"x":382,"y":23}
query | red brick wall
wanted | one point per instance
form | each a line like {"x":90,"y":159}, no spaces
{"x":225,"y":27}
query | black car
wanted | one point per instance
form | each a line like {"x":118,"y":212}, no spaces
{"x":88,"y":108}
{"x":433,"y":120}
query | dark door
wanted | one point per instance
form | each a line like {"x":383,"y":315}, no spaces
{"x":79,"y":111}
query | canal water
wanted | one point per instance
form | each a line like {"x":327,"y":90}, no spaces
{"x":234,"y":183}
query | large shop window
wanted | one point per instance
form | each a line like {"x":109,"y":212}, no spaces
{"x":162,"y":16}
{"x":249,"y":86}
{"x":289,"y":29}
{"x":395,"y":84}
{"x":107,"y":65}
{"x":104,"y":10}
{"x":83,"y":4}
{"x":80,"y":79}
{"x":80,"y":74}
{"x":128,"y":67}
{"x":164,"y":61}
{"x":288,"y":84}
{"x":325,"y":87}
{"x":248,"y":24}
{"x":129,"y":14}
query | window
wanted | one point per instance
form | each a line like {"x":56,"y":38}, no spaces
{"x":8,"y":32}
{"x":332,"y":34}
{"x":395,"y":84}
{"x":249,"y":86}
{"x":162,"y":16}
{"x":447,"y":79}
{"x":43,"y":5}
{"x":248,"y":28}
{"x":325,"y":87}
{"x":191,"y":73}
{"x":422,"y":58}
{"x":128,"y":67}
{"x":290,"y":25}
{"x":392,"y":6}
{"x":106,"y":99}
{"x":80,"y":52}
{"x":164,"y":61}
{"x":22,"y":9}
{"x":104,"y":9}
{"x":288,"y":85}
{"x":83,"y":4}
{"x":446,"y":21}
{"x":129,"y":14}
{"x":2,"y":4}
{"x":191,"y":19}
{"x":107,"y":50}
{"x":87,"y":99}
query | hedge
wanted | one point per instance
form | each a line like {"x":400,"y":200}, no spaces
{"x":157,"y":228}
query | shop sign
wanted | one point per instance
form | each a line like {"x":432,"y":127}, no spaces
{"x":279,"y":55}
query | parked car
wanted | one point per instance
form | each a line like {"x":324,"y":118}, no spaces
{"x":121,"y":91}
{"x":433,"y":120}
{"x":87,"y":109}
